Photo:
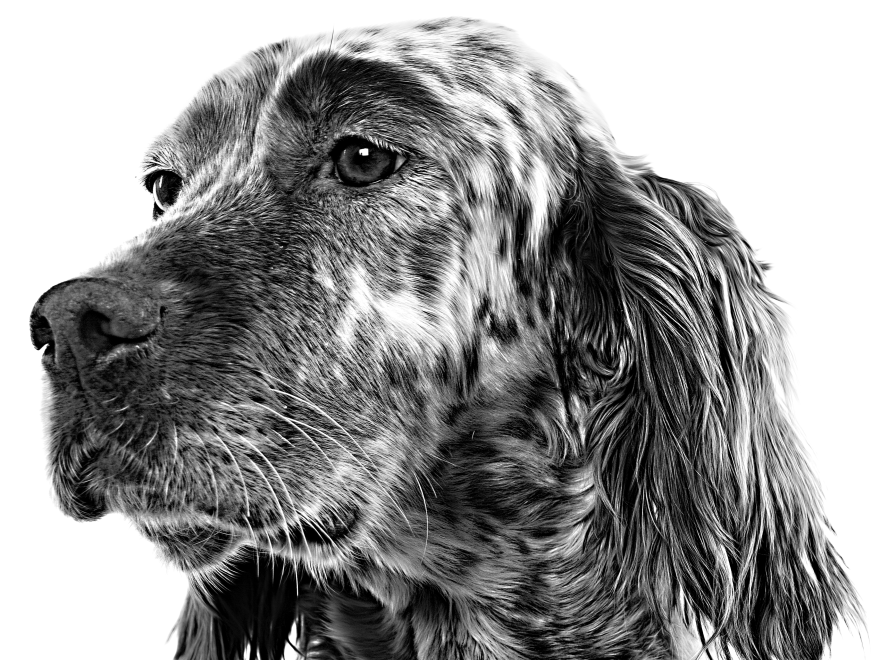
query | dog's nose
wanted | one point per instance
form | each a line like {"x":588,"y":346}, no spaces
{"x":93,"y":320}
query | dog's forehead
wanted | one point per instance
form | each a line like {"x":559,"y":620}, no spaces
{"x":463,"y":62}
{"x":481,"y":74}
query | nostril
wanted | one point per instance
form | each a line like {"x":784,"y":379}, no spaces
{"x":100,"y":333}
{"x":41,"y":333}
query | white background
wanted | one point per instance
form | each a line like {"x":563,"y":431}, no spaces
{"x":772,"y":105}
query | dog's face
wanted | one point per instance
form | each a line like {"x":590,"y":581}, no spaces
{"x":408,"y":316}
{"x":332,"y":271}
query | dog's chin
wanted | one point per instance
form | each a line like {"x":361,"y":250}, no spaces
{"x":191,"y":547}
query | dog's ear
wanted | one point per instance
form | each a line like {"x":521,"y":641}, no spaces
{"x":706,"y":503}
{"x":251,"y":607}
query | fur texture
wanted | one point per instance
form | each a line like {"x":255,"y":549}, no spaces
{"x":518,"y":398}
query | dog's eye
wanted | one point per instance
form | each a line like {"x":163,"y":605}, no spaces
{"x":360,"y":162}
{"x":165,"y":187}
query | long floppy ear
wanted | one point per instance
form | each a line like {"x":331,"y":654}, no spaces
{"x":707,"y":505}
{"x":252,"y":607}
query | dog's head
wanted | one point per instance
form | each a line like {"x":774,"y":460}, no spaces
{"x":373,"y":245}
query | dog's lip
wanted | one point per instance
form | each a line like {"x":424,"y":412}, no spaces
{"x":82,"y":499}
{"x":175,"y":531}
{"x":198,"y":542}
{"x":78,"y":496}
{"x":191,"y":526}
{"x":82,"y":503}
{"x":330,"y":530}
{"x":191,"y":544}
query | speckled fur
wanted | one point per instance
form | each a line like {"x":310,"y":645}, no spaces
{"x":522,"y":399}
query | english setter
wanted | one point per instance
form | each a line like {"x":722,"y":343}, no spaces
{"x":417,"y":364}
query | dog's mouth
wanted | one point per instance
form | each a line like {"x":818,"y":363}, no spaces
{"x":201,"y":545}
{"x":196,"y":525}
{"x":191,"y":546}
{"x":84,"y":502}
{"x":327,"y":530}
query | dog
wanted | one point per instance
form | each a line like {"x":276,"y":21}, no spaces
{"x":414,"y":363}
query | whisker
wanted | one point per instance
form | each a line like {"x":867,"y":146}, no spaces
{"x":425,"y":502}
{"x":314,"y":406}
{"x":150,"y":441}
{"x":247,"y":508}
{"x":176,"y":443}
{"x":283,"y":487}
{"x":134,"y":434}
{"x":296,"y":426}
{"x":391,"y":498}
{"x":254,"y":542}
{"x":211,"y":472}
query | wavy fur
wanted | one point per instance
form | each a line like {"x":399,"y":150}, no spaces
{"x":522,"y":398}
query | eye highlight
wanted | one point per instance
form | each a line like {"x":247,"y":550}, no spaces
{"x":165,"y":186}
{"x":359,"y":162}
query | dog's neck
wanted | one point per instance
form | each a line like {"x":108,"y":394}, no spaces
{"x":502,"y":564}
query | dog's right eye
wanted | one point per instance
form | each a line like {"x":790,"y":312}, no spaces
{"x":165,"y":187}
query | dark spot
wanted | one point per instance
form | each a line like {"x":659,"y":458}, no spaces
{"x":521,"y":217}
{"x":543,"y":532}
{"x":491,"y":122}
{"x":434,"y":26}
{"x":453,"y":413}
{"x":503,"y":244}
{"x":442,"y":369}
{"x":525,"y":288}
{"x":517,"y":117}
{"x":558,"y":93}
{"x":483,"y":309}
{"x":471,"y":358}
{"x":464,"y":559}
{"x":400,"y":372}
{"x":517,"y":428}
{"x":427,"y":260}
{"x":433,"y":70}
{"x":276,"y":48}
{"x":544,"y":306}
{"x":476,"y":450}
{"x":485,"y":49}
{"x":467,"y":227}
{"x":539,"y":391}
{"x":355,"y":88}
{"x":505,"y":330}
{"x":471,"y":195}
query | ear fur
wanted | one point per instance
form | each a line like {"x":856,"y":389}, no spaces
{"x":708,"y":507}
{"x":253,"y":606}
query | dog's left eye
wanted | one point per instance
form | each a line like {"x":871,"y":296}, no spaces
{"x":359,"y":162}
{"x":165,"y":187}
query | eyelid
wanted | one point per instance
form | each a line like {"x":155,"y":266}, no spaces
{"x":341,"y":138}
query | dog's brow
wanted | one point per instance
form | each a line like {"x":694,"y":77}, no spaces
{"x":356,"y":87}
{"x":160,"y":155}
